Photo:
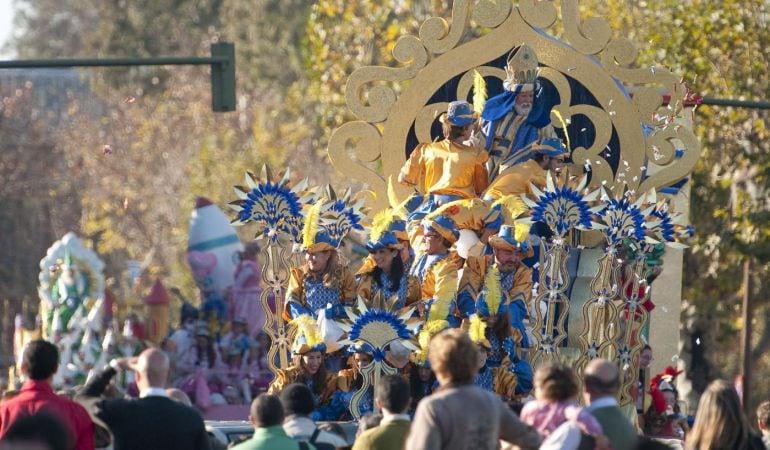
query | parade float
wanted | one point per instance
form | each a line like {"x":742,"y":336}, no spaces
{"x":616,"y":214}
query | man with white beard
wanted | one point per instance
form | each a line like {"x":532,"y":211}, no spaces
{"x":519,"y":116}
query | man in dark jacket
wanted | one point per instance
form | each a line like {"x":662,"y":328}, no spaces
{"x":153,"y":421}
{"x":601,"y":385}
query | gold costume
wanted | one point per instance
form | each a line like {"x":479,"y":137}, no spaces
{"x":446,"y":168}
{"x":285,"y":377}
{"x":475,"y":273}
{"x":516,"y":180}
{"x":366,"y":283}
{"x":469,"y":214}
{"x":344,"y":284}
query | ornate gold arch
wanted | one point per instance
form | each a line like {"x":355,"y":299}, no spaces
{"x":389,"y":100}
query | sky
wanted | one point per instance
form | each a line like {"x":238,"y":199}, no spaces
{"x":6,"y":25}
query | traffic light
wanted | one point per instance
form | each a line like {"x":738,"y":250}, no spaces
{"x":223,"y":77}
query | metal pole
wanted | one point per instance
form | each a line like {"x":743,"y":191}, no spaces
{"x":161,"y":61}
{"x":746,"y":337}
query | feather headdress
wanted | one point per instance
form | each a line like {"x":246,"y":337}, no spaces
{"x":439,"y":310}
{"x":308,"y":337}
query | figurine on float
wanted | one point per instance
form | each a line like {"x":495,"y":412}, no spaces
{"x":521,"y":115}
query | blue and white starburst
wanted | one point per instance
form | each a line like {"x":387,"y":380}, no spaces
{"x":622,"y":219}
{"x":376,"y":328}
{"x":564,"y":208}
{"x":276,"y":208}
{"x":339,"y":216}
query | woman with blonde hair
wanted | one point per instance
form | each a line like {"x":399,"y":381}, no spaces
{"x":720,"y":423}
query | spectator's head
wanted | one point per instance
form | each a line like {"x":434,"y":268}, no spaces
{"x":763,"y":417}
{"x":39,"y":431}
{"x":335,"y":429}
{"x":297,"y":399}
{"x":392,"y":394}
{"x":266,"y":411}
{"x":151,"y":369}
{"x":178,"y":395}
{"x":601,"y":379}
{"x":556,"y":382}
{"x":453,"y":357}
{"x":40,"y":361}
{"x":719,"y":421}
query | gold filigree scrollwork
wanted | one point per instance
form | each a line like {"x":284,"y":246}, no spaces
{"x":549,"y":329}
{"x":275,"y":275}
{"x":409,"y":51}
{"x":371,"y":375}
{"x":361,"y":140}
{"x":538,"y":13}
{"x":438,"y":36}
{"x":491,"y":13}
{"x":661,"y":150}
{"x":631,"y":322}
{"x":600,"y":313}
{"x":589,"y":36}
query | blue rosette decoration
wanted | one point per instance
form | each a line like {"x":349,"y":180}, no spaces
{"x":565,"y":207}
{"x":275,"y":207}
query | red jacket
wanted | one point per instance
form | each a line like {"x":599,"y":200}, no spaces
{"x":37,"y":396}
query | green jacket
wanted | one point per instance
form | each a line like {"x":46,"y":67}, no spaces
{"x":389,"y":435}
{"x":270,"y":438}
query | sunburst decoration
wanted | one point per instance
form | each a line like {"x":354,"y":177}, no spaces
{"x":622,"y":219}
{"x":340,"y":215}
{"x":276,"y":207}
{"x":375,"y":329}
{"x":564,"y":208}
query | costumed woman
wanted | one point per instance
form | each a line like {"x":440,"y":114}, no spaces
{"x":383,"y":271}
{"x":422,"y":380}
{"x":322,"y":284}
{"x":246,"y":292}
{"x":308,"y":368}
{"x":498,"y":379}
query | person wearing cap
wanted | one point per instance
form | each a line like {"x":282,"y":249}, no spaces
{"x":436,"y":268}
{"x":549,"y":154}
{"x":308,"y":367}
{"x":322,"y":284}
{"x":476,"y":219}
{"x":521,"y":115}
{"x":449,"y":169}
{"x":422,"y":380}
{"x":509,"y":247}
{"x":384,"y":272}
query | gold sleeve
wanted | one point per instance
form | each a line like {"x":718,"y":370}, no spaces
{"x":473,"y":276}
{"x":413,"y":172}
{"x":413,"y":290}
{"x":504,"y":382}
{"x":295,"y":291}
{"x":480,"y":174}
{"x":522,"y":286}
{"x":364,"y":288}
{"x":347,"y":286}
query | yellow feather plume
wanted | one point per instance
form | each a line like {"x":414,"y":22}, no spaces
{"x":307,"y":327}
{"x":479,"y":92}
{"x":477,"y":329}
{"x":521,"y":232}
{"x":443,"y":297}
{"x":493,"y":292}
{"x":380,"y":224}
{"x":512,"y":207}
{"x":310,"y":227}
{"x":558,"y":115}
{"x":429,"y":330}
